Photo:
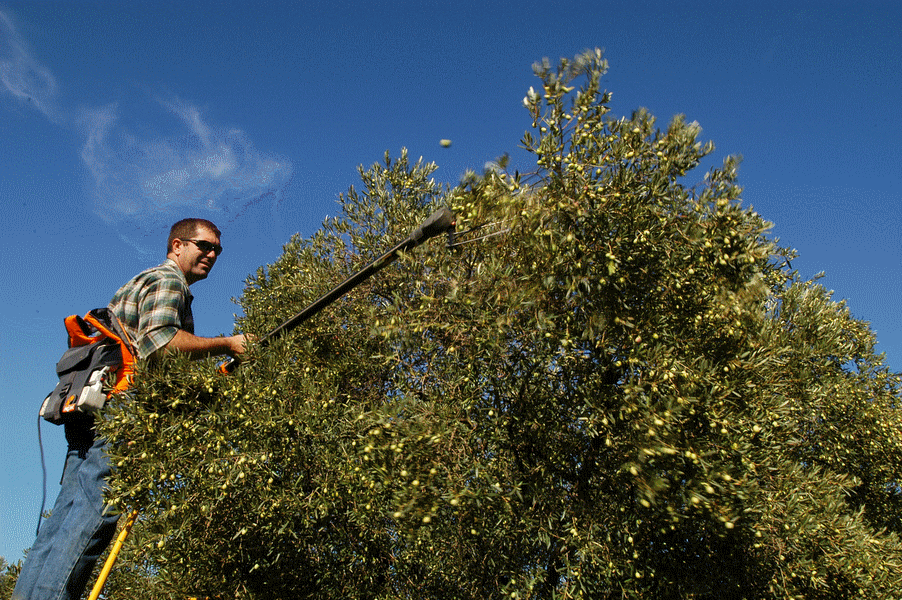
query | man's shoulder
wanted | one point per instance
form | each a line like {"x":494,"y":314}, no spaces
{"x":166,"y":275}
{"x":168,"y":270}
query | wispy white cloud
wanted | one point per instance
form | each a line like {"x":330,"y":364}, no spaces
{"x":21,"y":75}
{"x":142,"y":185}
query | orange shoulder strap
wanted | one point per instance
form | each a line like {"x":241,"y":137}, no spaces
{"x":92,"y":329}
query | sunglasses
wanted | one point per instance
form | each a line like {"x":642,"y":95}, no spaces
{"x":205,"y":246}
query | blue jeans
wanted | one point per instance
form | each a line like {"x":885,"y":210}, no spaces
{"x":81,"y":525}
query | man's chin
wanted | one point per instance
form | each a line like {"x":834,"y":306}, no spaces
{"x":200,"y":273}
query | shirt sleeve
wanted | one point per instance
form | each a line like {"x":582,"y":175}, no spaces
{"x":161,"y":305}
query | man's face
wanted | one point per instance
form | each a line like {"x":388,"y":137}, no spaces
{"x":194,"y":262}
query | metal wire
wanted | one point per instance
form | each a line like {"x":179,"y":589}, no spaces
{"x":455,"y":241}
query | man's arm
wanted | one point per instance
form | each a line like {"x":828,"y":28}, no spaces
{"x":201,"y":347}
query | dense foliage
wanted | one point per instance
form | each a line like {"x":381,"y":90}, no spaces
{"x":627,"y":394}
{"x":8,"y":575}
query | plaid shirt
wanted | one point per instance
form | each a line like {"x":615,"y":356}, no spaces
{"x":153,"y":306}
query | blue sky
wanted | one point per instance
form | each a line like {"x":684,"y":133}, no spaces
{"x":117,"y":119}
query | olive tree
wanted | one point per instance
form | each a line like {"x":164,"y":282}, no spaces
{"x":8,"y":575}
{"x":624,"y":391}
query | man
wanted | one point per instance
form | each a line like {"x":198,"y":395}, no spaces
{"x":154,"y":309}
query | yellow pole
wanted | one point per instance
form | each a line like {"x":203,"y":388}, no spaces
{"x":111,"y":559}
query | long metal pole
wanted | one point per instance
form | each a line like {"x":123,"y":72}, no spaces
{"x":439,"y":222}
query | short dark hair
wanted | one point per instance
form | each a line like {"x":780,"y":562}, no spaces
{"x":188,"y":228}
